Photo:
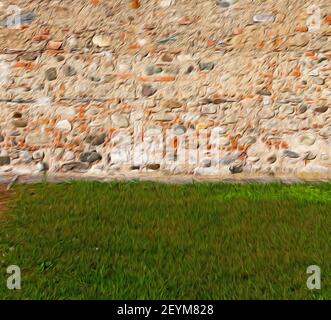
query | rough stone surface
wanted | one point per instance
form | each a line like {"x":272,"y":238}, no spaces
{"x":226,"y":88}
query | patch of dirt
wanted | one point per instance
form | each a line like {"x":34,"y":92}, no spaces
{"x":5,"y":197}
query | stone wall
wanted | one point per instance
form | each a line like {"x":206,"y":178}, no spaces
{"x":167,"y":87}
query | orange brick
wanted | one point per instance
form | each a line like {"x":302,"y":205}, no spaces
{"x":26,"y":65}
{"x":44,"y":32}
{"x":54,"y":45}
{"x":296,"y":72}
{"x":301,"y":28}
{"x":135,"y":4}
{"x":210,"y":43}
{"x":54,"y":52}
{"x":40,"y":38}
{"x":284,"y":145}
{"x":134,"y":46}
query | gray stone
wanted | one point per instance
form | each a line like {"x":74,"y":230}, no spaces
{"x":90,"y":157}
{"x":59,"y":58}
{"x":174,"y":70}
{"x":224,"y":3}
{"x":264,"y":17}
{"x":119,"y":120}
{"x":4,"y":160}
{"x":38,"y":155}
{"x":179,"y":130}
{"x":151,"y":69}
{"x":25,"y":156}
{"x":63,"y":125}
{"x":206,"y":163}
{"x":69,"y":71}
{"x":69,"y":155}
{"x":96,"y":140}
{"x":302,"y":108}
{"x":319,"y":81}
{"x":148,"y":91}
{"x":75,"y":167}
{"x":153,"y":166}
{"x":51,"y":74}
{"x":321,"y":109}
{"x":15,"y":133}
{"x":236,"y":167}
{"x":208,"y":66}
{"x":290,"y":154}
{"x":42,"y":166}
{"x":30,"y":56}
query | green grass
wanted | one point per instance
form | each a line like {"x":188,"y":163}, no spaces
{"x":133,"y":240}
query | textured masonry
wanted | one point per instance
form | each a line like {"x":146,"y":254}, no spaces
{"x":187,"y":87}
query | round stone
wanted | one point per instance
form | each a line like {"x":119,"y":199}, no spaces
{"x":102,"y":40}
{"x":179,"y":130}
{"x":148,"y":91}
{"x":119,"y":120}
{"x":38,"y":155}
{"x":63,"y":125}
{"x":4,"y":160}
{"x":306,"y":139}
{"x":42,"y":166}
{"x":20,"y":123}
{"x":319,"y":81}
{"x":51,"y":74}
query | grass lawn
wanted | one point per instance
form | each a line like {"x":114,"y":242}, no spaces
{"x":129,"y":240}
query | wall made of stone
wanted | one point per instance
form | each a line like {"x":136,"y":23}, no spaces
{"x":167,"y":87}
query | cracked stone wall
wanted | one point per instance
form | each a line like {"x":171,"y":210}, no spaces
{"x":166,"y":87}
